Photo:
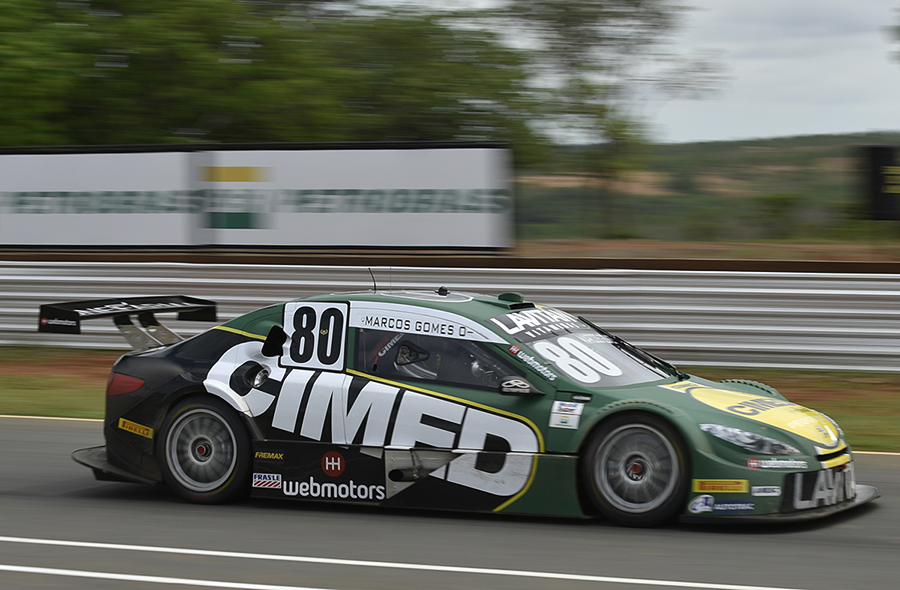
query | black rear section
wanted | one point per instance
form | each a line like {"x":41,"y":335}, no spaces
{"x":133,"y":419}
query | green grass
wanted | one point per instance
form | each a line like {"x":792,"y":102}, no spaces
{"x":49,"y":396}
{"x":42,"y":381}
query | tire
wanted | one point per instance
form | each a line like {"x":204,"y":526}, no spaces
{"x":204,"y":452}
{"x":634,"y":470}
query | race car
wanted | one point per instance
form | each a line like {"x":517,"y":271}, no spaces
{"x":449,"y":400}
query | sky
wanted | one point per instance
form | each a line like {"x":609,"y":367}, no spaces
{"x":792,"y":67}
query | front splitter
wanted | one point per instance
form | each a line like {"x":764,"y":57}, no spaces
{"x":864,"y":494}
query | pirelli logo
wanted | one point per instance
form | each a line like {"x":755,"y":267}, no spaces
{"x":135,"y":428}
{"x":722,"y":486}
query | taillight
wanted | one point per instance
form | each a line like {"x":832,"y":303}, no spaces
{"x":119,"y":384}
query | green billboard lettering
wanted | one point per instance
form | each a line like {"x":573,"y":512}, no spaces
{"x":492,"y":201}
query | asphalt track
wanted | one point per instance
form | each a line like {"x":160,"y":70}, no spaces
{"x":59,"y":528}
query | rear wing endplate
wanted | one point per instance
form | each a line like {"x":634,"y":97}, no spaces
{"x":65,"y":318}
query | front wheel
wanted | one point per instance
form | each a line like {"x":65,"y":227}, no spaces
{"x":204,"y":452}
{"x":635,"y":470}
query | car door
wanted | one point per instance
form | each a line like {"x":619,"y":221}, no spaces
{"x":444,"y":448}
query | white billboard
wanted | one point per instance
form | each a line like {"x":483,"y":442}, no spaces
{"x":437,"y":197}
{"x":96,"y":199}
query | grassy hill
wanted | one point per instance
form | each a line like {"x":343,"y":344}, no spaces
{"x":806,"y":189}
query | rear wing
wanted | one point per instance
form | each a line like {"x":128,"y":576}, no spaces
{"x":65,"y":318}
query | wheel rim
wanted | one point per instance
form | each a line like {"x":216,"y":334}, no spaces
{"x":637,"y":468}
{"x":200,"y":449}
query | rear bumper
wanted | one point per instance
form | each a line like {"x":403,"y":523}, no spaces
{"x":96,"y":459}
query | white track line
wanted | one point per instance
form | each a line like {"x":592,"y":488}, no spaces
{"x":53,"y":418}
{"x":341,"y":562}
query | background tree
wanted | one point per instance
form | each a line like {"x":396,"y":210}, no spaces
{"x":129,"y":72}
{"x":36,"y":65}
{"x":598,"y":62}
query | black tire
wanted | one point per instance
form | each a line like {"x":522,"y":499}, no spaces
{"x":204,"y":452}
{"x":635,"y":470}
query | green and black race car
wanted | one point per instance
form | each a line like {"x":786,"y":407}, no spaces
{"x":450,"y":400}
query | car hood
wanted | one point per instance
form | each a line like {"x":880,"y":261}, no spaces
{"x":771,"y":411}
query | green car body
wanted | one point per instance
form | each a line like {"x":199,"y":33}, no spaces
{"x":572,"y":406}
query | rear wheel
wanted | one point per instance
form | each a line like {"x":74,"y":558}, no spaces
{"x":635,"y":470}
{"x":204,"y":452}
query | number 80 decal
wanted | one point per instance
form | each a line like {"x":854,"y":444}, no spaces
{"x":576,"y":359}
{"x":316,"y":333}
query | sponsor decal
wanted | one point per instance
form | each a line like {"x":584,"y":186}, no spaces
{"x":821,"y":488}
{"x":267,"y":480}
{"x":412,"y":319}
{"x":532,"y":324}
{"x":733,"y":507}
{"x":770,"y":411}
{"x":339,"y":491}
{"x":58,"y":322}
{"x":581,"y":397}
{"x":564,"y":421}
{"x":268,"y":456}
{"x":317,"y":406}
{"x":515,"y":386}
{"x":333,"y":464}
{"x":532,"y":362}
{"x":701,"y":504}
{"x":124,"y":307}
{"x":390,"y":345}
{"x":754,"y":463}
{"x":730,"y":486}
{"x":707,"y":503}
{"x":573,"y":408}
{"x":135,"y":428}
{"x":566,"y":415}
{"x":765,"y":491}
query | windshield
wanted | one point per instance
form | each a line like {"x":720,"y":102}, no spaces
{"x":581,"y":351}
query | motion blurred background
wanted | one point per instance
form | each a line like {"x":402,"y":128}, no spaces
{"x":631,"y":122}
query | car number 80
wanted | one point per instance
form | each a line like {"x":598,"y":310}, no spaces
{"x":576,"y":359}
{"x":315,"y":335}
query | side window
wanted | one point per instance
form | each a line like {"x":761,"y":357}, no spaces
{"x":429,"y":358}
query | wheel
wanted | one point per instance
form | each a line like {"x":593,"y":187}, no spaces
{"x":204,"y":452}
{"x":635,"y":470}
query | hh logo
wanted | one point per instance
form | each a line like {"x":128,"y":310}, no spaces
{"x":333,"y":464}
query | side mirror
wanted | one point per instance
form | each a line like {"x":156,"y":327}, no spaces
{"x":274,"y":342}
{"x":516,"y":385}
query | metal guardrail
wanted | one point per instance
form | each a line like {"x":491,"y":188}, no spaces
{"x":702,"y":318}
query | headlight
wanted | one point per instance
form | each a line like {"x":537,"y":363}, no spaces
{"x":755,"y":443}
{"x":836,"y":425}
